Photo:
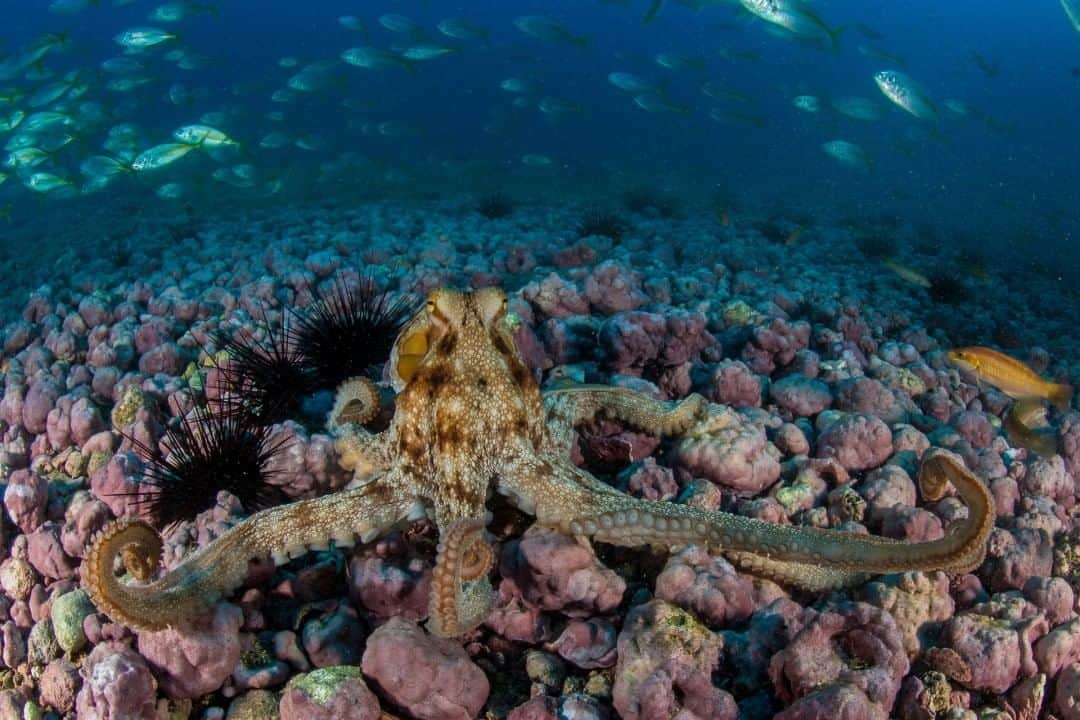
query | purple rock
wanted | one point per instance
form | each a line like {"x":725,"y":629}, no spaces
{"x":333,"y":692}
{"x":59,"y":685}
{"x":39,"y":401}
{"x":858,"y":442}
{"x":800,"y":396}
{"x":117,"y":685}
{"x":195,"y":661}
{"x":431,"y":678}
{"x":334,"y":639}
{"x":588,"y":644}
{"x":25,"y":499}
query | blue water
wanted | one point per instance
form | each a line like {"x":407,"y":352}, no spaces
{"x":1003,"y":178}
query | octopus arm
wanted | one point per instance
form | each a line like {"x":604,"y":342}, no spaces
{"x":186,"y":593}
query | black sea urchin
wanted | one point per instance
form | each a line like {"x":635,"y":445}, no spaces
{"x":264,"y":378}
{"x":604,"y":223}
{"x":948,"y":289}
{"x":205,"y":452}
{"x":348,"y":330}
{"x":495,"y":205}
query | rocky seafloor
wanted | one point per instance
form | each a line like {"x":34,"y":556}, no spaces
{"x":834,"y":370}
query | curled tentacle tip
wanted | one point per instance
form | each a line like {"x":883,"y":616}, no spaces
{"x":357,"y":402}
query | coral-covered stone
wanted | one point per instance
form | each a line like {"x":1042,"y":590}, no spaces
{"x":857,"y":442}
{"x":843,"y":701}
{"x":117,"y":685}
{"x":431,"y":678}
{"x":194,"y":661}
{"x":59,"y":685}
{"x":871,"y":397}
{"x":612,"y":287}
{"x":733,"y":383}
{"x":588,"y":644}
{"x":1067,"y":694}
{"x":666,"y":661}
{"x":711,"y":588}
{"x":800,"y":396}
{"x":553,"y":572}
{"x":25,"y":499}
{"x":40,"y":399}
{"x":729,"y":452}
{"x":389,"y":579}
{"x":919,"y":603}
{"x":334,"y":639}
{"x":337,"y":692}
{"x":850,"y":643}
{"x":775,"y":344}
{"x":555,"y":297}
{"x":1014,"y":556}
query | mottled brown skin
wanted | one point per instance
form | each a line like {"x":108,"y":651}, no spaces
{"x":470,"y":420}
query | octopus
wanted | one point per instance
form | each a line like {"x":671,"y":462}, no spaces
{"x":469,"y":421}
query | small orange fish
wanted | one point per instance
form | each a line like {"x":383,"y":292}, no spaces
{"x":912,"y":276}
{"x":1009,"y":375}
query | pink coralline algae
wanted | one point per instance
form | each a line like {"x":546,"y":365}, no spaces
{"x":587,"y":644}
{"x":712,"y":589}
{"x":852,"y":644}
{"x":729,"y":452}
{"x":634,"y":341}
{"x":1014,"y":556}
{"x":431,"y":678}
{"x":800,"y":396}
{"x":389,"y":579}
{"x":872,"y":397}
{"x":857,"y":442}
{"x":733,"y":383}
{"x":919,"y":603}
{"x":554,"y":297}
{"x":117,"y":685}
{"x":666,"y":661}
{"x":335,"y":692}
{"x":553,"y":572}
{"x":612,"y":287}
{"x":25,"y":499}
{"x":992,"y":644}
{"x":775,"y":344}
{"x":307,"y":465}
{"x":195,"y":661}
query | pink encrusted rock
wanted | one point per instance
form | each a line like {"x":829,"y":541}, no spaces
{"x":569,"y":340}
{"x":431,"y":678}
{"x":588,"y":644}
{"x":800,"y":396}
{"x":1053,"y":595}
{"x":1050,"y":478}
{"x":791,"y":440}
{"x":389,"y":578}
{"x":514,"y":619}
{"x":307,"y":465}
{"x":884,"y":489}
{"x":198,"y":660}
{"x":712,"y":589}
{"x":117,"y":484}
{"x":871,"y":397}
{"x":633,"y":341}
{"x":975,"y":427}
{"x":850,"y":643}
{"x":649,"y":481}
{"x":25,"y":499}
{"x":541,"y":707}
{"x":553,"y":572}
{"x":555,"y":297}
{"x":83,"y":518}
{"x":335,"y":638}
{"x":909,"y":439}
{"x":1067,"y":693}
{"x":337,"y":692}
{"x":858,"y":442}
{"x":1059,"y":648}
{"x":576,"y":255}
{"x":842,"y":701}
{"x":732,"y":453}
{"x":919,"y":603}
{"x":1068,"y":442}
{"x":613,"y":287}
{"x":39,"y":401}
{"x":46,"y":553}
{"x":59,"y":685}
{"x":666,"y":661}
{"x":1013,"y":556}
{"x":733,"y":383}
{"x":117,"y":685}
{"x":775,"y":344}
{"x":165,"y":358}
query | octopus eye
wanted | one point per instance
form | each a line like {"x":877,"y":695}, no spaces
{"x":431,"y":306}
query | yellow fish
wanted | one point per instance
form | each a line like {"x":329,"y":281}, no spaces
{"x":1009,"y":375}
{"x":912,"y":276}
{"x":1026,"y":426}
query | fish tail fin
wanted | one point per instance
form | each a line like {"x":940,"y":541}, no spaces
{"x":835,"y":34}
{"x":653,"y":11}
{"x":1061,"y":396}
